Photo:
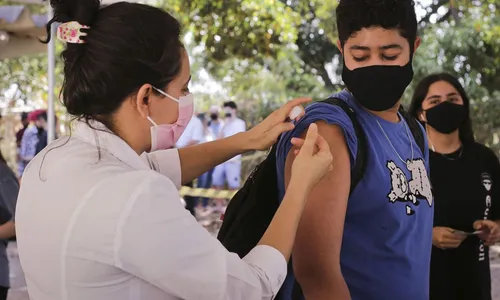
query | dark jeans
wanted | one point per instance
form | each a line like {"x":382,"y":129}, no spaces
{"x":190,"y":201}
{"x":3,"y":293}
{"x":205,"y":182}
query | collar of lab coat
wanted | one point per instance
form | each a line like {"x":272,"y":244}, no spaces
{"x":97,"y":134}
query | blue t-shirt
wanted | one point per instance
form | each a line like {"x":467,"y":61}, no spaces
{"x":387,"y":237}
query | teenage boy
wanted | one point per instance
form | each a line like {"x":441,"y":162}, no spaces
{"x":374,"y":243}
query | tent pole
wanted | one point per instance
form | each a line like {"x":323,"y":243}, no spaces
{"x":51,"y":80}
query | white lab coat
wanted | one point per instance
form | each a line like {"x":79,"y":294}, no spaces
{"x":108,"y":227}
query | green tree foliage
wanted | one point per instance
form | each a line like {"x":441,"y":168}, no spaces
{"x":458,"y":36}
{"x":27,"y":73}
{"x":264,"y":52}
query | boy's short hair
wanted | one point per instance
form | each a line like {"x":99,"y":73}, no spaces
{"x":354,"y":15}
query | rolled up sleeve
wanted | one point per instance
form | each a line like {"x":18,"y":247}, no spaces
{"x":271,"y":262}
{"x":167,"y":163}
{"x":183,"y":258}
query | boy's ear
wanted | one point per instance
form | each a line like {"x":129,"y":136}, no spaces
{"x":339,"y":46}
{"x":416,"y":44}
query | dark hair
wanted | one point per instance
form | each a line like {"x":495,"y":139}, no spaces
{"x":24,"y":116}
{"x":2,"y":159}
{"x":422,"y":89}
{"x":42,"y":116}
{"x":354,"y":15}
{"x":230,"y":104}
{"x":126,"y":46}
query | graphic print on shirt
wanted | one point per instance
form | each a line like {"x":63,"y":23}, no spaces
{"x":486,"y":180}
{"x":413,"y":190}
{"x":487,"y":183}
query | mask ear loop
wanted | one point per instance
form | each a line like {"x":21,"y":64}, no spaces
{"x":165,"y":94}
{"x":151,"y":120}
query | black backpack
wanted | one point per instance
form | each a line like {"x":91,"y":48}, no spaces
{"x":251,"y":210}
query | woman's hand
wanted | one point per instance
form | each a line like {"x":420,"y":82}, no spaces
{"x":490,"y":231}
{"x":265,"y":134}
{"x":313,"y":159}
{"x":445,"y":238}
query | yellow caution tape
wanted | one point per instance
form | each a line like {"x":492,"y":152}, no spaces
{"x":206,"y":193}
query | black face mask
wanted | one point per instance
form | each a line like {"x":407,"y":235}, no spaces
{"x":214,"y":117}
{"x":446,"y":117}
{"x":378,"y":88}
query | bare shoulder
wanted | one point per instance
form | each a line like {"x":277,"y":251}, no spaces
{"x":334,"y":135}
{"x":341,"y":164}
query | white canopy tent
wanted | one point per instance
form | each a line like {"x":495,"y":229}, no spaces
{"x":19,"y":34}
{"x":19,"y":31}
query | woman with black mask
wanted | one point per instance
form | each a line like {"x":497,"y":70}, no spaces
{"x":464,"y":175}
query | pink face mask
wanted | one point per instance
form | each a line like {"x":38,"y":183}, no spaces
{"x":164,"y":136}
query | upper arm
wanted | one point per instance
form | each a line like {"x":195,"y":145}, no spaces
{"x":164,"y":245}
{"x":316,"y":253}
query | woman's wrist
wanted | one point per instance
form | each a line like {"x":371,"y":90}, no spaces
{"x":242,"y":142}
{"x":298,"y":188}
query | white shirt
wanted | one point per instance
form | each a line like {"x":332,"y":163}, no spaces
{"x":108,"y":227}
{"x":209,"y":135}
{"x":194,"y":132}
{"x":230,"y":128}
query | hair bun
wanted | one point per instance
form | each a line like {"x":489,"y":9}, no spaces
{"x":81,"y":11}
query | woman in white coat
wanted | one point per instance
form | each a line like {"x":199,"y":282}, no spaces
{"x":97,"y":218}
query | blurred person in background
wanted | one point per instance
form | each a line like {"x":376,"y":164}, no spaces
{"x":19,"y":134}
{"x":228,"y":173}
{"x":215,"y":122}
{"x":19,"y":137}
{"x":9,"y":189}
{"x":465,"y":177}
{"x":41,"y":126}
{"x":205,"y":180}
{"x":29,"y":141}
{"x":192,"y":135}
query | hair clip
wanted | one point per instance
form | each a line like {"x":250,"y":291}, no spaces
{"x":71,"y":32}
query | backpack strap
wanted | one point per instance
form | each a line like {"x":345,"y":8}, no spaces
{"x":358,"y":170}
